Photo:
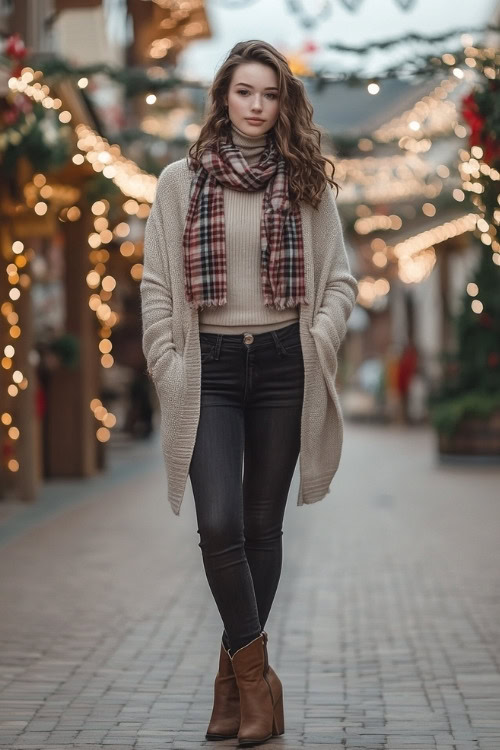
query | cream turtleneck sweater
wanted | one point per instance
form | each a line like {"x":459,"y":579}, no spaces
{"x":245,"y":310}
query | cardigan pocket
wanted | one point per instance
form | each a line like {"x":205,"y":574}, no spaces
{"x":168,"y":378}
{"x":327,"y":346}
{"x":324,"y":325}
{"x":162,"y":363}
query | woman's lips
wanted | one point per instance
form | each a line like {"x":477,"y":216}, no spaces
{"x":254,"y":119}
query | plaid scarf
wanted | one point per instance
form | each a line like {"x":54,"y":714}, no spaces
{"x":281,"y":239}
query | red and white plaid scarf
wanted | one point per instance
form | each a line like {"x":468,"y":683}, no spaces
{"x":281,"y":239}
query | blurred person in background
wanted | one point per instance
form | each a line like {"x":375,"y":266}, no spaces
{"x":407,"y":368}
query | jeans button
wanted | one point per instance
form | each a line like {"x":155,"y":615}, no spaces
{"x":247,"y":338}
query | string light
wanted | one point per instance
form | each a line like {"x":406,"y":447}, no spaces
{"x":424,"y":240}
{"x":377,"y":222}
{"x":178,"y":25}
{"x":388,"y":179}
{"x":370,"y":290}
{"x":19,"y":281}
{"x":126,"y":175}
{"x":432,"y":115}
{"x":415,"y":256}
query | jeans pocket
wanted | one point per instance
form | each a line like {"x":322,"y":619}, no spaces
{"x":293,"y":348}
{"x":292,"y":345}
{"x":207,"y":351}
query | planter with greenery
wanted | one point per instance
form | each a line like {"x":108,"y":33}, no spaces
{"x":466,"y":410}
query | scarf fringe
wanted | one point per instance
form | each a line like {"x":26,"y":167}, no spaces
{"x":201,"y":304}
{"x":282,"y":303}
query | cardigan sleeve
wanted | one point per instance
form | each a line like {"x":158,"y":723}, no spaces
{"x":156,"y":293}
{"x":341,"y":287}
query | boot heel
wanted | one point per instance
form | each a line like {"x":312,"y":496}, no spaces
{"x":278,"y":717}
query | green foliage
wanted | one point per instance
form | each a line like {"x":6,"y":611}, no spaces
{"x":472,"y":377}
{"x":46,"y":144}
{"x":135,"y":80}
{"x":67,"y":348}
{"x":446,"y":416}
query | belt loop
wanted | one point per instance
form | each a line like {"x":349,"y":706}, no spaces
{"x":218,"y":345}
{"x":279,"y":346}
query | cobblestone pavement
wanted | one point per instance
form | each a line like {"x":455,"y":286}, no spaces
{"x":385,"y":629}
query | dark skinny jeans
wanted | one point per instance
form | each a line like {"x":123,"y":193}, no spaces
{"x":246,"y":450}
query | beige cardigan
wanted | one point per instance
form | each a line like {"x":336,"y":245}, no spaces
{"x":171,"y":336}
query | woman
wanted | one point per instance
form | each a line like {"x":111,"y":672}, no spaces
{"x":246,"y":293}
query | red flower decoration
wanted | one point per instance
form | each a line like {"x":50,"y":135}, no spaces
{"x":477,"y":124}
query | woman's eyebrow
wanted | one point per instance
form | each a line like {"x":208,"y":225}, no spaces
{"x":251,"y":87}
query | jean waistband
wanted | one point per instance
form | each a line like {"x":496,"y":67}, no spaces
{"x":259,"y":339}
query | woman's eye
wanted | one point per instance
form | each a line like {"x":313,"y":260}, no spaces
{"x":245,"y":91}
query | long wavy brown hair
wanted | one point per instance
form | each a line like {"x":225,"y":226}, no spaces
{"x":296,"y":136}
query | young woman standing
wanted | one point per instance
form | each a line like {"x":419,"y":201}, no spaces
{"x":246,"y":293}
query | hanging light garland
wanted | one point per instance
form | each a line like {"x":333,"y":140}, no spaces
{"x":386,"y":179}
{"x":432,"y":115}
{"x":108,"y":159}
{"x":322,"y":9}
{"x":416,"y":256}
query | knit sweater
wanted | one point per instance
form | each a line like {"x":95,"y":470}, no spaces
{"x":245,"y":309}
{"x":171,"y":342}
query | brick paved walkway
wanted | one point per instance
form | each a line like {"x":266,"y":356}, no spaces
{"x":385,"y":629}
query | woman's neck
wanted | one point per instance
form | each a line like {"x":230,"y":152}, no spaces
{"x":251,"y":146}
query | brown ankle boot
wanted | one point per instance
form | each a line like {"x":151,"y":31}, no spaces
{"x":261,"y":696}
{"x":225,"y":720}
{"x":276,"y":690}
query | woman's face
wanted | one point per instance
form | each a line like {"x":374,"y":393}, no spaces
{"x":253,"y":93}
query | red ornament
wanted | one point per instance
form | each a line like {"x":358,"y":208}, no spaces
{"x":493,"y":359}
{"x":14,"y":47}
{"x":471,"y":114}
{"x":310,"y":47}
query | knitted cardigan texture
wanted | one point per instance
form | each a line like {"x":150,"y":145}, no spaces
{"x":171,"y":336}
